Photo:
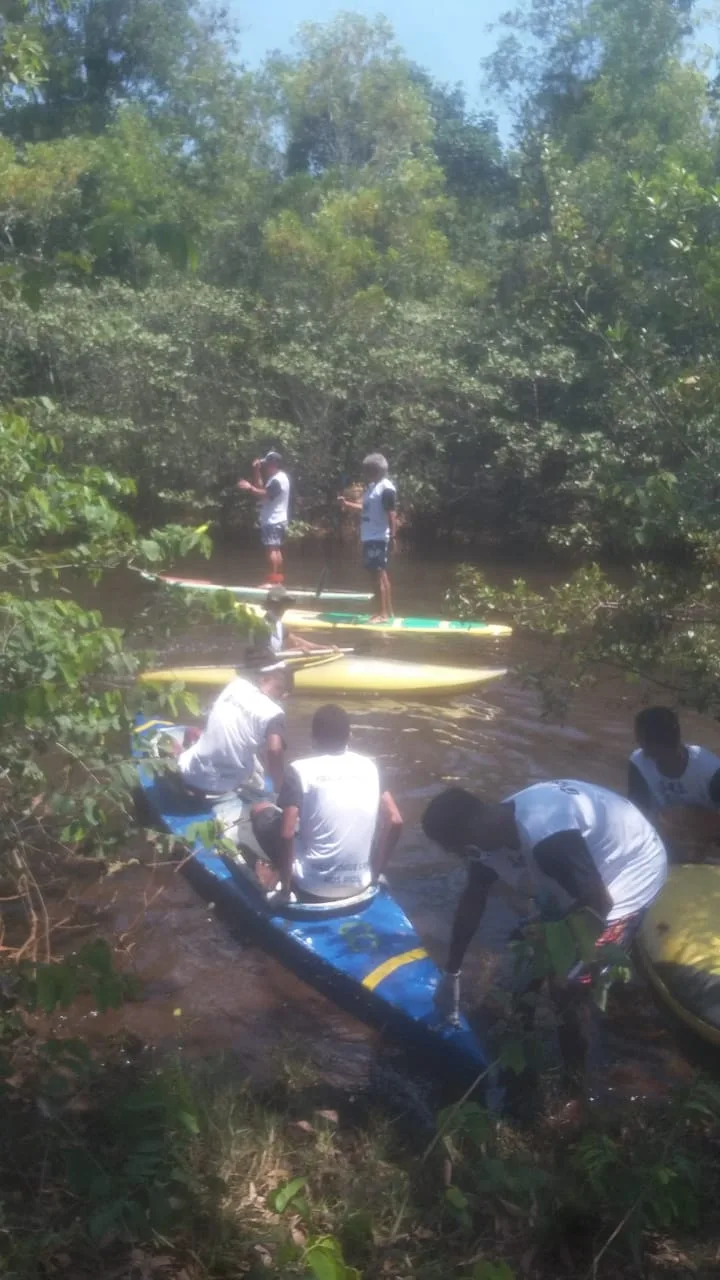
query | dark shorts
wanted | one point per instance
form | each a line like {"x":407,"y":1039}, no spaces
{"x":376,"y":555}
{"x":266,"y":824}
{"x":273,"y":535}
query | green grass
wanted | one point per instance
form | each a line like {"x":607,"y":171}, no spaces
{"x":169,"y":1172}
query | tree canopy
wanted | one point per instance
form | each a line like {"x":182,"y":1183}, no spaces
{"x":334,"y":253}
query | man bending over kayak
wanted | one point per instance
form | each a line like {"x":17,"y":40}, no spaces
{"x":245,"y":721}
{"x":555,"y":848}
{"x":675,"y":785}
{"x":332,"y":830}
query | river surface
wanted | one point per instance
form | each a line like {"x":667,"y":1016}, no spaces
{"x":205,"y":993}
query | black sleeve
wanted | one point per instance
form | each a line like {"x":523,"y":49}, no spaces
{"x":291,"y":793}
{"x":639,"y":791}
{"x":480,"y":877}
{"x":272,"y":488}
{"x":277,"y":725}
{"x":714,"y":788}
{"x":388,"y":500}
{"x":566,"y":858}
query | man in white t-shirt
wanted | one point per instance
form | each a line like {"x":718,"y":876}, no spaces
{"x":245,"y":723}
{"x":378,"y":526}
{"x":272,"y":485}
{"x":333,"y":828}
{"x":556,"y":848}
{"x":675,"y":785}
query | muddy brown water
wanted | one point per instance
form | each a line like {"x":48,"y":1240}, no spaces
{"x":204,"y":993}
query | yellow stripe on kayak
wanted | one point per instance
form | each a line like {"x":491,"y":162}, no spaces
{"x":376,"y":976}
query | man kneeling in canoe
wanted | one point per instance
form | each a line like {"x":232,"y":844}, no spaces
{"x":556,"y":849}
{"x":332,"y":830}
{"x":243,"y":737}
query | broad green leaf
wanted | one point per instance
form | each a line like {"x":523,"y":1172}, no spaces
{"x":282,"y":1197}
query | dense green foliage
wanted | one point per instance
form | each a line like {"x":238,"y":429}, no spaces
{"x":333,"y":254}
{"x":528,"y":332}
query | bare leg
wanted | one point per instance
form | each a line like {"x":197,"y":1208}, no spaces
{"x":385,"y":594}
{"x":377,"y":597}
{"x":276,"y":561}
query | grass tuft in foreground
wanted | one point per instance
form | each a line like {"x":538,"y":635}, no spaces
{"x":139,"y":1170}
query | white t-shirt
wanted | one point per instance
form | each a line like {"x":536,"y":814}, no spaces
{"x":691,"y":788}
{"x":274,"y":507}
{"x":625,"y":848}
{"x":337,"y":797}
{"x":224,"y":756}
{"x":375,"y":520}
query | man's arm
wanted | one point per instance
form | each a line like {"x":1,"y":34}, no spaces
{"x":287,"y":847}
{"x":469,"y":913}
{"x":390,"y":825}
{"x":256,"y":486}
{"x":290,"y":798}
{"x":714,"y":789}
{"x":638,"y":791}
{"x":389,"y":506}
{"x":275,"y":758}
{"x":305,"y":646}
{"x":565,"y":858}
{"x":275,"y":750}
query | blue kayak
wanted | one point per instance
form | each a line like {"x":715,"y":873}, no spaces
{"x":362,"y":952}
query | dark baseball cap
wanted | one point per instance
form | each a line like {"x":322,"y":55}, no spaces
{"x":279,"y":595}
{"x":273,"y":456}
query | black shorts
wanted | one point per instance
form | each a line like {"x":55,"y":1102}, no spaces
{"x":273,"y":535}
{"x":376,"y":554}
{"x":266,"y":825}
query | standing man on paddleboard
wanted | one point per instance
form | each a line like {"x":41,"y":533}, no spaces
{"x":378,"y":526}
{"x":272,"y":485}
{"x":557,"y":851}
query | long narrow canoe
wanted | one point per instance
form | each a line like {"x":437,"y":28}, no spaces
{"x":351,"y":674}
{"x":310,"y":620}
{"x":363,"y":952}
{"x":254,"y":593}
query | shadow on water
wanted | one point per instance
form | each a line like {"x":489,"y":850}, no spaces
{"x":203,"y":993}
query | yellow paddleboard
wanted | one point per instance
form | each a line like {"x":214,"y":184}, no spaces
{"x":351,"y":674}
{"x":312,"y":620}
{"x":679,"y":947}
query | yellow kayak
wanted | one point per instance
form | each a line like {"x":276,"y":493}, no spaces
{"x":679,"y":947}
{"x":351,"y":674}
